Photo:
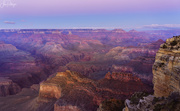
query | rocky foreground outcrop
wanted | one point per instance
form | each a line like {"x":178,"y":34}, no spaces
{"x":142,"y":102}
{"x":166,"y":80}
{"x":166,"y":69}
{"x":77,"y":93}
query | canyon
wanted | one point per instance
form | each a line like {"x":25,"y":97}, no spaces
{"x":75,"y":92}
{"x":90,"y":65}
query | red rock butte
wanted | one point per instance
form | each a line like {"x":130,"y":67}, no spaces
{"x":69,"y":86}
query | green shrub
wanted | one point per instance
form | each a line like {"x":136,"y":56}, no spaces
{"x":172,"y":101}
{"x":158,"y":107}
{"x":155,"y":100}
{"x":137,"y":96}
{"x":164,"y":46}
{"x":170,"y":104}
{"x":173,"y":43}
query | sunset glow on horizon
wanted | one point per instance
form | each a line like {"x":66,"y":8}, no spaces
{"x":88,"y":13}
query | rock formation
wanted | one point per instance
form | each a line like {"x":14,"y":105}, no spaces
{"x":75,"y":92}
{"x":29,"y":56}
{"x":144,"y":104}
{"x":8,"y":87}
{"x":166,"y":69}
{"x":20,"y":66}
{"x":7,"y":48}
{"x":141,"y":102}
{"x":166,"y":79}
{"x":111,"y":105}
{"x":37,"y":53}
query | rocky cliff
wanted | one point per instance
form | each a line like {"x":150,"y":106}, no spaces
{"x":166,"y":69}
{"x":166,"y":80}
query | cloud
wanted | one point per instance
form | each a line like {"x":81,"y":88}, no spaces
{"x":9,"y":22}
{"x":163,"y":26}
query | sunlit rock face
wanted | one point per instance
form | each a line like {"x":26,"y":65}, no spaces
{"x":166,"y":69}
{"x":74,"y":92}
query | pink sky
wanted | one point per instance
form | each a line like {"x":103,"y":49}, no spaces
{"x":90,"y":13}
{"x":48,"y":7}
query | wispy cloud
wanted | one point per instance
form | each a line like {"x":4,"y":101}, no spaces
{"x":9,"y":22}
{"x":162,"y":26}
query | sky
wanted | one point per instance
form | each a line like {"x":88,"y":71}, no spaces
{"x":108,"y":14}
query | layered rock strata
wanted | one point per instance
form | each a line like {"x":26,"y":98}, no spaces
{"x":75,"y":92}
{"x":166,"y":69}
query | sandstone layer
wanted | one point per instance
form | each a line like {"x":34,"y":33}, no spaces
{"x":166,"y":69}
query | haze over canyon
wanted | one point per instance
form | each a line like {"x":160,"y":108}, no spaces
{"x":82,"y":69}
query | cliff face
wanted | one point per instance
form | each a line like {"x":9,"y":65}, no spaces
{"x":166,"y":69}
